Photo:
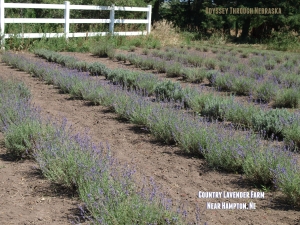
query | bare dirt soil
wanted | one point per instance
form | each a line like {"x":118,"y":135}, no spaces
{"x":28,"y":198}
{"x":181,"y":175}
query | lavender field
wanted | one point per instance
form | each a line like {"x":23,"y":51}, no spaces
{"x":259,"y":141}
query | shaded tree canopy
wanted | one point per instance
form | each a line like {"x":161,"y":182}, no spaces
{"x":191,"y":15}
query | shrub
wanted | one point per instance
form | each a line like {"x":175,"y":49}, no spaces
{"x":195,"y":75}
{"x":240,"y":69}
{"x":287,"y":180}
{"x":278,"y":59}
{"x":20,"y":138}
{"x":148,"y":64}
{"x":96,"y":69}
{"x":147,"y":83}
{"x":212,"y":75}
{"x":255,"y":62}
{"x":215,"y":107}
{"x":291,"y":133}
{"x":287,"y":98}
{"x":265,"y":91}
{"x":224,"y":66}
{"x":121,"y":57}
{"x":160,"y":66}
{"x":132,"y":48}
{"x":81,"y":66}
{"x":195,"y":60}
{"x":243,"y":85}
{"x":103,"y":50}
{"x":190,"y":135}
{"x":223,"y":82}
{"x":258,"y":73}
{"x":259,"y":164}
{"x":210,"y":64}
{"x":162,"y":123}
{"x":271,"y":122}
{"x":174,"y":69}
{"x":214,"y":51}
{"x":146,"y":51}
{"x":225,"y":152}
{"x":290,"y":80}
{"x":270,"y":64}
{"x":169,"y":90}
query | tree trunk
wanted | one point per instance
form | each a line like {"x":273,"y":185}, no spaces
{"x":245,"y":28}
{"x":155,"y":11}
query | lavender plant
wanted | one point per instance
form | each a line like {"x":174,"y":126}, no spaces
{"x":160,"y":66}
{"x":96,"y":69}
{"x":265,"y":91}
{"x":255,"y":62}
{"x":147,"y":83}
{"x":169,"y":90}
{"x":224,"y":66}
{"x":271,"y":121}
{"x":228,"y":153}
{"x":243,"y":85}
{"x":210,"y":63}
{"x":259,"y":165}
{"x":270,"y":64}
{"x":103,"y":50}
{"x":287,"y":180}
{"x":288,"y":98}
{"x":162,"y":123}
{"x":258,"y":73}
{"x":121,"y":57}
{"x":194,"y":75}
{"x":174,"y":69}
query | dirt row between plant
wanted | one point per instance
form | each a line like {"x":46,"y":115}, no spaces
{"x":28,"y":198}
{"x":181,"y":175}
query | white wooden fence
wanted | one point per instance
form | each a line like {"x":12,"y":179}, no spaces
{"x":67,"y":20}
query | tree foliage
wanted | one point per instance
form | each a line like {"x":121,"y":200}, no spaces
{"x":191,"y":15}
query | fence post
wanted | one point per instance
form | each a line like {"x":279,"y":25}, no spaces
{"x":2,"y":23}
{"x":67,"y":16}
{"x":149,"y":19}
{"x":112,"y":19}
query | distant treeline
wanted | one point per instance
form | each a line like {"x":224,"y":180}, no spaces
{"x":194,"y":15}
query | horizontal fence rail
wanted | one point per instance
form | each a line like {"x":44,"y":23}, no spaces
{"x":67,"y":20}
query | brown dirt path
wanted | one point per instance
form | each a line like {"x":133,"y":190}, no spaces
{"x":28,"y":198}
{"x":180,"y":175}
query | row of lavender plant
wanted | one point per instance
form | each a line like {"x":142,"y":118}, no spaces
{"x":282,"y":85}
{"x":279,"y":122}
{"x":263,"y":163}
{"x":107,"y":189}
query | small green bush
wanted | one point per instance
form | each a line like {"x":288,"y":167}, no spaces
{"x":288,"y":98}
{"x":265,"y":91}
{"x":174,"y":69}
{"x":169,"y":90}
{"x":210,"y":64}
{"x":272,"y":121}
{"x":20,"y":138}
{"x":195,"y":75}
